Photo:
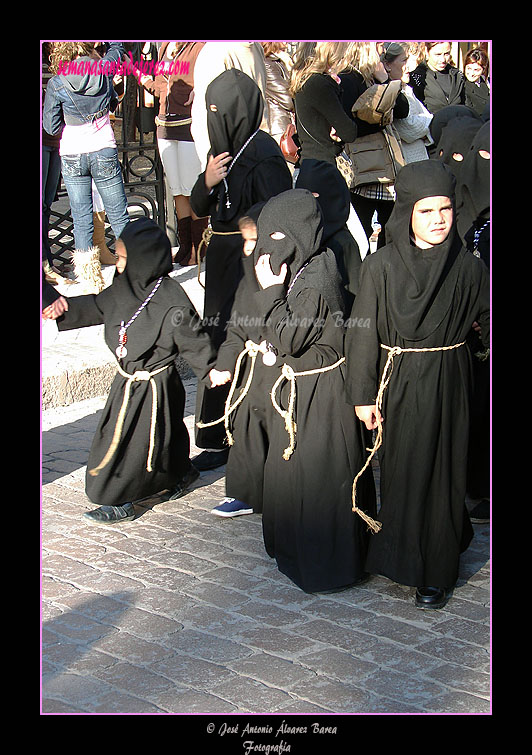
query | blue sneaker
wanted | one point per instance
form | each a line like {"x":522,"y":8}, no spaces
{"x":230,"y":507}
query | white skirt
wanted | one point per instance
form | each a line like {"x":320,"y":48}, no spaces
{"x":181,"y":165}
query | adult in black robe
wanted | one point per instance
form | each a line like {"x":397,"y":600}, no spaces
{"x":167,"y":325}
{"x":473,"y":210}
{"x":256,"y":172}
{"x":334,"y":200}
{"x":419,"y":298}
{"x":309,"y":526}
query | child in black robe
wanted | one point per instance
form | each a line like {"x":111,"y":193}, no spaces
{"x":473,"y":211}
{"x":296,"y":441}
{"x":420,"y":295}
{"x":245,"y":166}
{"x":141,"y":446}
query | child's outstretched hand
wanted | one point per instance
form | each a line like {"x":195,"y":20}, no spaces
{"x":54,"y":310}
{"x":265,"y":274}
{"x":219,"y":377}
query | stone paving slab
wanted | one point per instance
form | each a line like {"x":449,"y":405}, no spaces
{"x":179,"y":612}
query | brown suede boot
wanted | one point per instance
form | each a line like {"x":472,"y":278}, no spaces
{"x":98,"y":239}
{"x":185,"y":241}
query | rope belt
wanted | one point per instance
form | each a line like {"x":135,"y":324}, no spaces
{"x":160,"y":122}
{"x":393,"y":351}
{"x":253,"y":350}
{"x":287,"y":373}
{"x":139,"y":376}
{"x":206,"y":236}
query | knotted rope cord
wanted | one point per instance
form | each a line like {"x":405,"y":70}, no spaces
{"x":287,"y":373}
{"x":206,"y":236}
{"x":385,"y":379}
{"x":253,"y":350}
{"x":140,"y":375}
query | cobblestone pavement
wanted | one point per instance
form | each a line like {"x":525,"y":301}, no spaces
{"x":181,"y":612}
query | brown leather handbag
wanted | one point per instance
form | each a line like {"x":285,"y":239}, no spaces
{"x":288,"y":145}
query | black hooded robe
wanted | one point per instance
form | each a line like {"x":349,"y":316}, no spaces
{"x":473,"y":210}
{"x":334,"y":199}
{"x":251,"y":424}
{"x":168,"y":325}
{"x":308,"y":523}
{"x":455,"y":142}
{"x":416,"y":298}
{"x":257,"y":174}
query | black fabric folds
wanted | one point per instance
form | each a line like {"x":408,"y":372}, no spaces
{"x":473,"y":190}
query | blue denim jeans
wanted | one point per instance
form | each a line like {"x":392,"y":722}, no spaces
{"x":78,"y":172}
{"x":51,"y":174}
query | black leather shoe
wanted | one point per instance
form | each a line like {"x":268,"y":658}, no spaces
{"x":481,"y":513}
{"x":430,"y":597}
{"x":210,"y":459}
{"x":184,"y":484}
{"x":111,"y":514}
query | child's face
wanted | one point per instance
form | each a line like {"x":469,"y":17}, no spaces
{"x":249,"y":234}
{"x":432,"y":219}
{"x":473,"y":71}
{"x":121,"y":253}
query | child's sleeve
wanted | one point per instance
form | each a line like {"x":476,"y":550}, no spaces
{"x":293,"y":327}
{"x":237,"y":330}
{"x":193,"y":341}
{"x":362,"y":344}
{"x":233,"y":345}
{"x":83,"y":311}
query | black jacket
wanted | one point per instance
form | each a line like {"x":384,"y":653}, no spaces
{"x":477,"y":97}
{"x":427,"y":89}
{"x":318,"y":108}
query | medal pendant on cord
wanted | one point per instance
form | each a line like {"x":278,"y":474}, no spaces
{"x":269,"y":358}
{"x":121,"y":350}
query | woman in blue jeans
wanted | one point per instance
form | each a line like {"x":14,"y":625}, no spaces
{"x":78,"y":100}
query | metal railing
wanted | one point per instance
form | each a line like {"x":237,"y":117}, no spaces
{"x":142,"y":172}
